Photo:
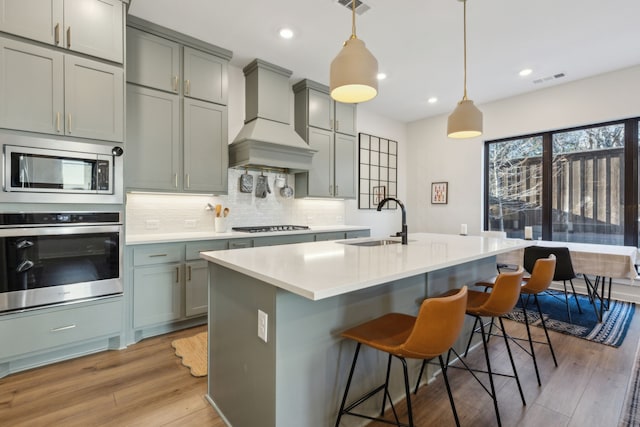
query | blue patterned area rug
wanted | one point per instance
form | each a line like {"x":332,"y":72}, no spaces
{"x":611,"y":331}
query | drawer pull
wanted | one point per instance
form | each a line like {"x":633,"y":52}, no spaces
{"x":156,"y":255}
{"x":189,"y":271}
{"x":69,"y":37}
{"x":177,"y":274}
{"x":62,"y":328}
{"x":56,"y":36}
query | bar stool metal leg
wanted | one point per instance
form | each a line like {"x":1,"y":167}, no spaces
{"x":346,"y":390}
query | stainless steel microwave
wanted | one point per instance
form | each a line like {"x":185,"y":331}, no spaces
{"x":40,"y":170}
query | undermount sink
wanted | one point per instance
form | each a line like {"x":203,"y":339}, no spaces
{"x":381,"y":242}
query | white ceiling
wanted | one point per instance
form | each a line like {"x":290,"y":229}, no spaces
{"x":418,"y":43}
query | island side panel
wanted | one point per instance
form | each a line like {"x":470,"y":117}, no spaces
{"x":241,"y":377}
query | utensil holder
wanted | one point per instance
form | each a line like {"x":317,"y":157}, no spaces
{"x":220,"y":224}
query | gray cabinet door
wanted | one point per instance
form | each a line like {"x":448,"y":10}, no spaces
{"x":156,"y":294}
{"x":205,"y":146}
{"x":94,"y":27}
{"x":94,"y":99}
{"x":153,"y":61}
{"x":345,"y":118}
{"x":34,"y":19}
{"x":345,"y":166}
{"x":197,"y":288}
{"x":205,"y":76}
{"x":31,"y":91}
{"x":320,"y":180}
{"x":152,"y":159}
{"x":320,"y":110}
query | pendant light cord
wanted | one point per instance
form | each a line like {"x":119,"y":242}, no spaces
{"x":464,"y":97}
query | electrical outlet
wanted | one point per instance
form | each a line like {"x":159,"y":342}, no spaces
{"x":263,"y":325}
{"x":189,"y":223}
{"x":152,"y":224}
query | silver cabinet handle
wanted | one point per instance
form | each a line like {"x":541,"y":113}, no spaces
{"x":62,"y":328}
{"x":188,"y":181}
{"x":58,"y":122}
{"x":69,"y":122}
{"x":56,"y":34}
{"x":175,"y":83}
{"x":69,"y":37}
{"x":175,"y":178}
{"x":187,"y":85}
{"x":337,"y":124}
{"x":331,"y":124}
{"x":177,"y":274}
{"x":189,"y":273}
{"x":156,"y":255}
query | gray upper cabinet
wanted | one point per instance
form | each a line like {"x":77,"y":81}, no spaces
{"x":94,"y":97}
{"x":153,"y":61}
{"x":330,"y":128}
{"x":60,"y":94}
{"x":205,"y":149}
{"x":205,"y":76}
{"x":33,"y":100}
{"x":153,"y":139}
{"x":177,"y":122}
{"x":91,"y":27}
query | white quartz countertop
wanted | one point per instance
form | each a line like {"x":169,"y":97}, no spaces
{"x":139,"y":239}
{"x":319,"y":270}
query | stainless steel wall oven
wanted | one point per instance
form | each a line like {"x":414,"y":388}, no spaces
{"x":52,"y":258}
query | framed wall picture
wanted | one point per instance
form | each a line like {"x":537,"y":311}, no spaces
{"x":379,"y":193}
{"x":439,"y":192}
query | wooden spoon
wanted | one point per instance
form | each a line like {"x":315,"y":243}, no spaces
{"x":225,"y":212}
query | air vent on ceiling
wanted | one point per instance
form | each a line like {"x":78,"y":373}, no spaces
{"x":549,"y":78}
{"x":360,"y":6}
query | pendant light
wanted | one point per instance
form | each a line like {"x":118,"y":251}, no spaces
{"x":353,"y":73}
{"x":466,"y":120}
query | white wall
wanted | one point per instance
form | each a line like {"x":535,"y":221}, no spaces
{"x":434,"y":157}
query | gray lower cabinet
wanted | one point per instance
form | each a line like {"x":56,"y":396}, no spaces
{"x":156,"y":294}
{"x":61,"y":94}
{"x":66,"y":24}
{"x":49,"y":335}
{"x":196,"y":288}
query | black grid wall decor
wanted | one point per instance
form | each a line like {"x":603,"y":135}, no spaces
{"x":378,"y":172}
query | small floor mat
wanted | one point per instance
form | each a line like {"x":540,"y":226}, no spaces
{"x":193,"y":351}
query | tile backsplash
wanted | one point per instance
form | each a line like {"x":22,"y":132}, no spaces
{"x":174,"y":213}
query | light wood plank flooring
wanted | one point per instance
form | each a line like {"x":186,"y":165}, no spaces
{"x":145,"y":385}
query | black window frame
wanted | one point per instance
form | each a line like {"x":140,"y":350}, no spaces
{"x":631,"y":142}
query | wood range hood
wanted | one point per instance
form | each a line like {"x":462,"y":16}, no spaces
{"x":267,"y":141}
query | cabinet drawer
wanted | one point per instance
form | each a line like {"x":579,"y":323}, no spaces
{"x":330,"y":236}
{"x":45,"y":330}
{"x":194,"y":249}
{"x":240,"y":243}
{"x":157,"y":254}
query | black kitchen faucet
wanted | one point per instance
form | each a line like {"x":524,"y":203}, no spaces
{"x":404,"y":233}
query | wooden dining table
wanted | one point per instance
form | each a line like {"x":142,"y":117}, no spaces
{"x":596,"y":263}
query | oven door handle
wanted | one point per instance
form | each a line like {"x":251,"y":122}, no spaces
{"x":25,"y":266}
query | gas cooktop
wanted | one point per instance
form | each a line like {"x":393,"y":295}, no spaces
{"x":267,"y":228}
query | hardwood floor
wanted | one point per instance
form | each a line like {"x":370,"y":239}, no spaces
{"x":146,"y":385}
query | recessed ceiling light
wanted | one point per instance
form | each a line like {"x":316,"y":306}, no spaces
{"x":381,"y":76}
{"x":525,"y":72}
{"x":286,"y":33}
{"x":432,"y":100}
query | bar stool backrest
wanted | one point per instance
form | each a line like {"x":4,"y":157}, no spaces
{"x":564,"y":266}
{"x":437,"y":326}
{"x":542,"y":274}
{"x":504,"y":296}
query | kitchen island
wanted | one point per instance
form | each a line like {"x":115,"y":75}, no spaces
{"x":295,"y":372}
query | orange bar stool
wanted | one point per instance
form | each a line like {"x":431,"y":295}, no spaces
{"x":502,"y":300}
{"x":425,"y":337}
{"x":541,"y":278}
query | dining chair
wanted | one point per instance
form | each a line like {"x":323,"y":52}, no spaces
{"x":564,"y":269}
{"x":427,"y":336}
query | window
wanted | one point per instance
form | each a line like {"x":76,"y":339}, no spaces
{"x":569,"y":185}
